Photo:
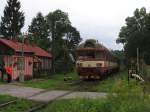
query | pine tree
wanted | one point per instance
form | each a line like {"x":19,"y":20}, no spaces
{"x":13,"y":19}
{"x":39,"y":31}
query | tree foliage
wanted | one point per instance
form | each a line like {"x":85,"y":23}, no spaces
{"x":72,"y":37}
{"x":119,"y":54}
{"x":39,"y":31}
{"x":55,"y":32}
{"x":136,"y":34}
{"x":64,"y":37}
{"x":13,"y":19}
{"x":57,"y":22}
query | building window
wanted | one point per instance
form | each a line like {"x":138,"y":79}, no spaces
{"x":20,"y":63}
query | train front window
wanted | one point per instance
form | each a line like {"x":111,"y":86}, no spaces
{"x":91,"y":54}
{"x":99,"y":55}
{"x":86,"y":54}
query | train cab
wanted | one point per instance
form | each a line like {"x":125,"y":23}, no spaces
{"x":94,"y":60}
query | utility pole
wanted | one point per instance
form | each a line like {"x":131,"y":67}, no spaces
{"x":141,"y":31}
{"x":53,"y":53}
{"x":54,"y":27}
{"x":138,"y":68}
{"x":21,"y":78}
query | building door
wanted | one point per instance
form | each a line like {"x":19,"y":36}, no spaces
{"x":36,"y":67}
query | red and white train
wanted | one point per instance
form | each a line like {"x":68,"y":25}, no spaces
{"x":95,"y":61}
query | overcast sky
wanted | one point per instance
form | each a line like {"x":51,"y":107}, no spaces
{"x":99,"y":19}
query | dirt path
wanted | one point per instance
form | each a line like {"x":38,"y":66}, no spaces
{"x":42,"y":95}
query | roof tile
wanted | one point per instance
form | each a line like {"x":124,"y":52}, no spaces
{"x":17,"y":46}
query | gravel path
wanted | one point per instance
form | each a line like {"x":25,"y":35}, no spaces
{"x":42,"y":95}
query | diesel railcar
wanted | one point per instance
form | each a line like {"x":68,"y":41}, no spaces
{"x":95,"y":61}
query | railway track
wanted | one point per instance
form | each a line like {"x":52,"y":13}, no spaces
{"x":41,"y":106}
{"x":44,"y":105}
{"x":7,"y":103}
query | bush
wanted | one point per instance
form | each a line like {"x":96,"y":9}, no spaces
{"x":128,"y":98}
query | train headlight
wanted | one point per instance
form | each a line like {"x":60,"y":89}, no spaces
{"x":98,"y":64}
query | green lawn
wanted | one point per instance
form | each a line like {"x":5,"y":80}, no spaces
{"x":56,"y":82}
{"x":113,"y":104}
{"x":127,"y":98}
{"x":5,"y":98}
{"x":1,"y":82}
{"x":99,"y":105}
{"x":20,"y":105}
{"x":53,"y":82}
{"x":107,"y":84}
{"x":131,"y":101}
{"x":130,"y":97}
{"x":148,"y":70}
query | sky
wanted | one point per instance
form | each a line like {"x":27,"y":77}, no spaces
{"x":98,"y":19}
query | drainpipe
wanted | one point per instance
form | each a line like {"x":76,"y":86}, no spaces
{"x":21,"y":77}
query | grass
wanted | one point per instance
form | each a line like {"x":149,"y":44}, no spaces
{"x":128,"y":98}
{"x":20,"y":106}
{"x":113,"y":104}
{"x":107,"y":84}
{"x":148,"y":70}
{"x":56,"y":82}
{"x":53,"y":82}
{"x":99,"y":105}
{"x":2,"y":82}
{"x":5,"y":98}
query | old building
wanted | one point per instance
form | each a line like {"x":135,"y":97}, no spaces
{"x":26,"y":58}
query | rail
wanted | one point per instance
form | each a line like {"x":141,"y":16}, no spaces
{"x":7,"y":103}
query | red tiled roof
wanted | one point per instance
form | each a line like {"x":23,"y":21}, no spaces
{"x":17,"y":46}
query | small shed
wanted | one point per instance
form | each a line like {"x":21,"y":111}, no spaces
{"x":24,"y":57}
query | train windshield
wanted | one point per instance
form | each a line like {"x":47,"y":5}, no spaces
{"x":90,"y":55}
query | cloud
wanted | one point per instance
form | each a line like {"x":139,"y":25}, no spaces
{"x":99,"y":19}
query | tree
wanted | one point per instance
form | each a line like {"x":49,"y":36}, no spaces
{"x":64,"y":37}
{"x":13,"y":19}
{"x":72,"y":37}
{"x":118,"y":54}
{"x":136,"y":34}
{"x":57,"y":22}
{"x":40,"y":31}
